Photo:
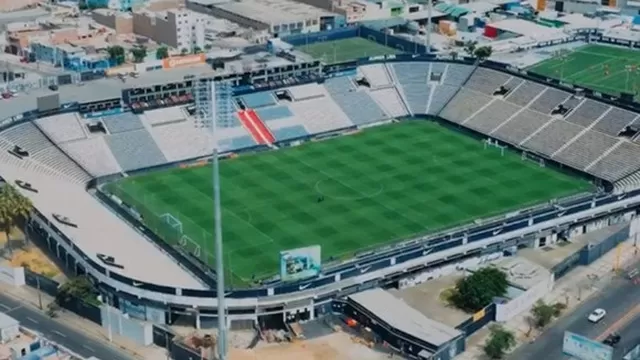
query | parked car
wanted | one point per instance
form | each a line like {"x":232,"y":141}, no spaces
{"x":597,"y":315}
{"x":612,"y":340}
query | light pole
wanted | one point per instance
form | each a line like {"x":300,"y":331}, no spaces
{"x":213,"y":104}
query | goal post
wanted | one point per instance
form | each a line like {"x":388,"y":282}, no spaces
{"x":489,"y":143}
{"x":184,"y":241}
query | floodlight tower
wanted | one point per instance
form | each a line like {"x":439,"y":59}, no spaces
{"x":214,"y":107}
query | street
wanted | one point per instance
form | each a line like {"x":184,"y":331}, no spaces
{"x":621,"y":301}
{"x":66,"y":336}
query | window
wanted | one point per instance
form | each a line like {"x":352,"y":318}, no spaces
{"x":315,"y":22}
{"x":300,"y":25}
{"x":276,"y":28}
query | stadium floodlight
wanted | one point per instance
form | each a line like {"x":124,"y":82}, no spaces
{"x":214,"y":107}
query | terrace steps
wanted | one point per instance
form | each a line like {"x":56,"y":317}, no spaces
{"x":256,"y":127}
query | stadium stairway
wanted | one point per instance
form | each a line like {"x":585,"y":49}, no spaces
{"x":256,"y":127}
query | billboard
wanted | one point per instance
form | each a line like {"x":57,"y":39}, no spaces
{"x":180,"y":61}
{"x":300,"y":263}
{"x":583,"y":348}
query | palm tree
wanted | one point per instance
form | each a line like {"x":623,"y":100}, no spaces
{"x":13,"y":207}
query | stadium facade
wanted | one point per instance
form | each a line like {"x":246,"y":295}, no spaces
{"x":614,"y":201}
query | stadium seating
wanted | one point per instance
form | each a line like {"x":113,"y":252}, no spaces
{"x":523,"y":94}
{"x":587,"y":113}
{"x":486,"y":81}
{"x":307,"y":91}
{"x":549,"y":100}
{"x":413,"y":79}
{"x":122,"y":123}
{"x":26,"y":164}
{"x":59,"y":161}
{"x":492,"y":116}
{"x":62,"y":128}
{"x":290,"y":132}
{"x":457,"y":74}
{"x":464,"y":104}
{"x":92,"y":154}
{"x":28,"y":137}
{"x":165,"y":116}
{"x":572,"y":102}
{"x":135,"y":150}
{"x":236,"y":143}
{"x":259,"y":99}
{"x":320,"y":114}
{"x":390,"y":101}
{"x":377,"y":75}
{"x":182,"y":141}
{"x":521,"y":126}
{"x":357,"y":105}
{"x":552,"y":137}
{"x":274,"y":113}
{"x":622,"y":161}
{"x":440,"y":96}
{"x":585,"y":149}
{"x":614,"y":121}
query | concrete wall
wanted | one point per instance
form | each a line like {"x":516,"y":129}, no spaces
{"x":121,"y":324}
{"x":513,"y":307}
{"x":12,"y":276}
{"x":158,"y":29}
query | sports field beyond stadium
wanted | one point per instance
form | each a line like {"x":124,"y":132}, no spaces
{"x":381,"y":185}
{"x":336,"y":51}
{"x":603,"y":68}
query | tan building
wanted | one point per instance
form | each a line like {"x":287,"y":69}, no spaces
{"x":121,"y":22}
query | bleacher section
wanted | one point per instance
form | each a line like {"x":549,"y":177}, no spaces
{"x":135,"y":150}
{"x":307,"y":91}
{"x":236,"y":143}
{"x":357,"y":105}
{"x":257,"y":100}
{"x":457,"y":74}
{"x":320,"y":115}
{"x":586,"y":149}
{"x":492,"y":116}
{"x":256,"y":127}
{"x":274,"y":113}
{"x":377,"y":75}
{"x":614,"y":121}
{"x":552,"y":137}
{"x":182,"y":141}
{"x":122,"y":123}
{"x":59,"y":161}
{"x":165,"y":116}
{"x":464,"y":104}
{"x":486,"y":81}
{"x":520,"y":126}
{"x":26,"y":163}
{"x":62,"y":128}
{"x":413,"y":78}
{"x":93,"y":154}
{"x":389,"y":101}
{"x":588,"y":112}
{"x":572,"y":102}
{"x":290,"y":132}
{"x":28,"y":137}
{"x":523,"y":94}
{"x":440,"y":96}
{"x":622,"y":161}
{"x":549,"y":100}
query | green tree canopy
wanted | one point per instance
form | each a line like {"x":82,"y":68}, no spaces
{"x":542,"y":313}
{"x":478,"y":290}
{"x":80,"y":288}
{"x":197,"y":50}
{"x":13,"y":207}
{"x":470,"y":47}
{"x":117,"y":54}
{"x":162,"y":53}
{"x":139,"y":54}
{"x":500,"y":341}
{"x":483,"y":52}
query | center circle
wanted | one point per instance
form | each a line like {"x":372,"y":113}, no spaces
{"x":348,"y":188}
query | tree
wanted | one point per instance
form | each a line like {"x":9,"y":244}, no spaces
{"x":208,"y":47}
{"x":77,"y":288}
{"x":478,"y":290}
{"x":197,"y":50}
{"x":162,"y":53}
{"x":470,"y":47}
{"x":139,"y":53}
{"x":483,"y":52}
{"x":13,"y":208}
{"x":117,"y":54}
{"x":542,"y":314}
{"x":184,"y":51}
{"x":454,"y":55}
{"x":500,"y":341}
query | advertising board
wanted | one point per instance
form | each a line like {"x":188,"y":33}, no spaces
{"x":300,"y":263}
{"x":582,"y":348}
{"x":181,"y":61}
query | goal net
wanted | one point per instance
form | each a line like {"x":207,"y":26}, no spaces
{"x":184,"y":241}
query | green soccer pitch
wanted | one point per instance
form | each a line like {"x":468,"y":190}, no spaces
{"x":381,"y":185}
{"x":602,"y":68}
{"x":336,"y":51}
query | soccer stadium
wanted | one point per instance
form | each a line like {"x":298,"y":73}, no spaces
{"x":335,"y":178}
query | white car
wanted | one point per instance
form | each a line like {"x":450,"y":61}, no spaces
{"x":597,"y":315}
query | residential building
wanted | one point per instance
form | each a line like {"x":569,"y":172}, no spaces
{"x":121,"y":22}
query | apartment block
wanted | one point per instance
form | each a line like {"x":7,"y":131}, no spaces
{"x":121,"y":22}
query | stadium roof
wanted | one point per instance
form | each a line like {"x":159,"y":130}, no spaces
{"x":403,"y":317}
{"x":453,"y":10}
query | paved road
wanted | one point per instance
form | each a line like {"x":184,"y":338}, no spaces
{"x":620,"y":299}
{"x":630,"y":337}
{"x":75,"y":341}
